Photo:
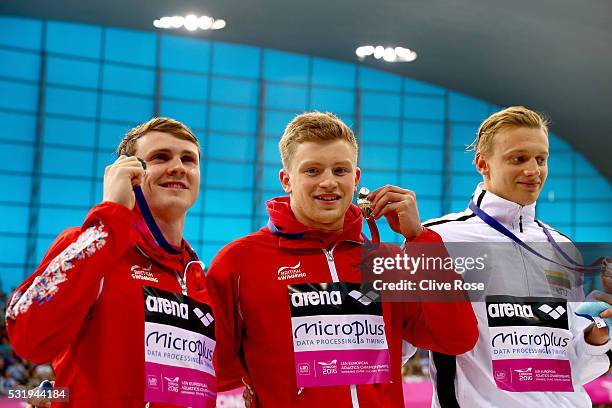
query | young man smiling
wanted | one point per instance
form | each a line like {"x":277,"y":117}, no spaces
{"x":296,"y":322}
{"x":542,"y":354}
{"x":104,"y":289}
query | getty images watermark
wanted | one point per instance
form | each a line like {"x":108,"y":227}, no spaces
{"x":447,"y":269}
{"x":438,"y":272}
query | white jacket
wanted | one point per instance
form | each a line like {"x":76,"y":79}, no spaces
{"x":522,"y":275}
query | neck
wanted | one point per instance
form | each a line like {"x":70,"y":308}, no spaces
{"x":172,"y":229}
{"x":328,"y":228}
{"x":500,"y":194}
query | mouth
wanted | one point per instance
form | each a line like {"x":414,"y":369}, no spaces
{"x":530,"y":185}
{"x":174,"y":185}
{"x":327,"y":198}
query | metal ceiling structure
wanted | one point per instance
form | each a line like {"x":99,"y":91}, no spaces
{"x":554,"y":56}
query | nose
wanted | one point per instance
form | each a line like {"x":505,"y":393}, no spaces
{"x":328,"y":180}
{"x":532,"y":168}
{"x":176,"y":166}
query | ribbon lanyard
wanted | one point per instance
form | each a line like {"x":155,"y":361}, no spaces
{"x":496,"y":225}
{"x":150,"y":221}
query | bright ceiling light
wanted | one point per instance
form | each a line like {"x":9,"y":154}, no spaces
{"x":405,"y":55}
{"x":218,"y":24}
{"x":191,"y":22}
{"x":364,"y":51}
{"x":165,"y":22}
{"x":177,"y":21}
{"x":205,"y":22}
{"x":389,"y":54}
{"x":379,"y":52}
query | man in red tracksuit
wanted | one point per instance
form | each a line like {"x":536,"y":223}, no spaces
{"x":295,"y":321}
{"x":117,"y":304}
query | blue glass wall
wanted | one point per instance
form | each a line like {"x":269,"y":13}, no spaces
{"x":68,"y":92}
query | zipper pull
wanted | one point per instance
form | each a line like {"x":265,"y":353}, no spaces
{"x":521,"y":222}
{"x":329,"y":255}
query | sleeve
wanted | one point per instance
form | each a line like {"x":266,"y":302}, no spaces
{"x":448,"y":327}
{"x":223,"y":280}
{"x":46,"y":312}
{"x":588,"y":361}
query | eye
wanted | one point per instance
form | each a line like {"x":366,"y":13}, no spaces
{"x":341,"y":171}
{"x":542,"y":160}
{"x":311,"y":171}
{"x":517,"y":159}
{"x":159,"y":157}
{"x":188,"y":159}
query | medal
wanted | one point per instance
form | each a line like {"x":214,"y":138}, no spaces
{"x":365,"y":206}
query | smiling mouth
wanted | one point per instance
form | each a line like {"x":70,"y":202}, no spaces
{"x":530,"y":185}
{"x":175,"y":185}
{"x":327,"y":197}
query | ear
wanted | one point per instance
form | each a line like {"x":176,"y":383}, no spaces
{"x":285,"y":180}
{"x":357,"y":178}
{"x":481,"y":165}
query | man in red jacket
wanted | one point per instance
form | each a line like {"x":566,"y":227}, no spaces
{"x":295,"y":321}
{"x":118,"y":304}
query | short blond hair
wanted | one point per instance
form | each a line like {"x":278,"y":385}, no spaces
{"x":509,"y":118}
{"x":127,"y":146}
{"x":314,"y":127}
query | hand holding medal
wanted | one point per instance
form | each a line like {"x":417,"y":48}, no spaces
{"x":399,"y":207}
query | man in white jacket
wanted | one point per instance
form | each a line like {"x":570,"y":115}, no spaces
{"x":533,"y":351}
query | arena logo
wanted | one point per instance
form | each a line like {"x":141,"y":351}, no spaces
{"x":509,"y":310}
{"x":321,"y":297}
{"x":554,"y":313}
{"x":364,"y":299}
{"x":168,"y":307}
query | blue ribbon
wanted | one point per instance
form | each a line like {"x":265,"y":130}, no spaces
{"x":150,"y":221}
{"x":496,"y":225}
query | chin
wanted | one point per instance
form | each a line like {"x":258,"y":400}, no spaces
{"x":528,"y":200}
{"x":329,"y":219}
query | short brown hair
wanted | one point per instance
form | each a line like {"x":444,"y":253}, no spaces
{"x":127,"y":146}
{"x":313,"y":127}
{"x":512,"y":117}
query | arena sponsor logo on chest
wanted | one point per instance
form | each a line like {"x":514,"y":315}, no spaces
{"x":179,"y":339}
{"x":338,"y":335}
{"x":530,"y":340}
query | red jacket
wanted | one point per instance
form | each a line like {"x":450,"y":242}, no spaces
{"x":83,"y":306}
{"x":253,"y":316}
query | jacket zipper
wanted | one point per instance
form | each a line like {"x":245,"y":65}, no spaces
{"x":334,"y":274}
{"x":330,"y":263}
{"x":520,"y":250}
{"x":182,"y":280}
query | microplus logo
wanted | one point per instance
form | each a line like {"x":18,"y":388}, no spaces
{"x":554,"y":313}
{"x":321,"y":297}
{"x":169,"y":307}
{"x":509,"y":310}
{"x":366,"y":299}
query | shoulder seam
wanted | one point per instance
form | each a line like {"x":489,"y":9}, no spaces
{"x":462,"y":218}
